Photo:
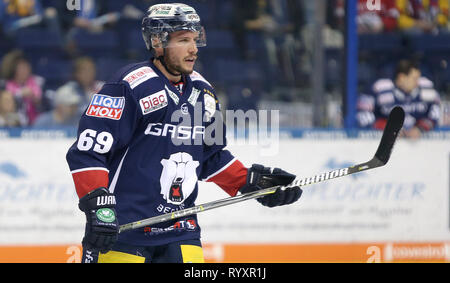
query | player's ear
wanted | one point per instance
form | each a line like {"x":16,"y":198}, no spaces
{"x":157,"y":46}
{"x":156,"y":42}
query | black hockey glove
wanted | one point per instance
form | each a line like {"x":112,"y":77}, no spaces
{"x":260,"y":177}
{"x":102,"y":227}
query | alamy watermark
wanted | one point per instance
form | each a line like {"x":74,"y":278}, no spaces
{"x":73,"y":5}
{"x":251,"y":128}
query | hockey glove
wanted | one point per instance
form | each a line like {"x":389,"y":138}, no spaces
{"x":260,"y":177}
{"x":102,"y":227}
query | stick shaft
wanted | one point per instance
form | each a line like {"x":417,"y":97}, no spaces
{"x":195,"y":209}
{"x":243,"y":197}
{"x":382,"y":155}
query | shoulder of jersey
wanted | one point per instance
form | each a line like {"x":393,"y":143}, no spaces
{"x":199,"y":80}
{"x":383,"y":85}
{"x":427,"y":92}
{"x":424,"y":82}
{"x":383,"y":90}
{"x":137,"y":75}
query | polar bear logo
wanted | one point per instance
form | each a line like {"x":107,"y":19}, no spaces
{"x":178,"y":177}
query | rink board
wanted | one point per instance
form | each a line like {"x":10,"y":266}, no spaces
{"x":376,"y":252}
{"x":399,"y":212}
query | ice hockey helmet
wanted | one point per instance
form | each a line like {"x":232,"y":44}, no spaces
{"x":163,"y":19}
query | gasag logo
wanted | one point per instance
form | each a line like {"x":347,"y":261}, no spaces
{"x":104,"y":106}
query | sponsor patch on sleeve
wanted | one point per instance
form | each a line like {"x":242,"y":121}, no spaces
{"x":153,"y":102}
{"x":139,"y":76}
{"x":104,"y":106}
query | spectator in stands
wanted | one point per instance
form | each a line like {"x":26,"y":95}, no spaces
{"x":65,"y":113}
{"x":84,"y":82}
{"x":92,"y":16}
{"x":23,"y":84}
{"x":335,"y":14}
{"x":408,"y":89}
{"x":440,"y":14}
{"x":378,"y":20}
{"x":255,"y":16}
{"x":267,"y":21}
{"x":9,"y":117}
{"x":18,"y":14}
{"x":244,"y":12}
{"x":422,"y":16}
{"x":95,"y":16}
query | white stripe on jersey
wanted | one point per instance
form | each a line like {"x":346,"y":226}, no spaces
{"x":220,"y":170}
{"x":112,"y":186}
{"x":89,"y":169}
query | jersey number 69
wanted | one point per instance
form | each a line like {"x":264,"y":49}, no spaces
{"x":102,"y":144}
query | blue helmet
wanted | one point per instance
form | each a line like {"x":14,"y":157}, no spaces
{"x":163,"y":19}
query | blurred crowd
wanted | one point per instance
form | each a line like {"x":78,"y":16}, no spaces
{"x":22,"y":99}
{"x":277,"y":30}
{"x":409,"y":16}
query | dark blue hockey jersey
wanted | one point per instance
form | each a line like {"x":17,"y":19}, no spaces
{"x":150,"y":144}
{"x":422,"y":105}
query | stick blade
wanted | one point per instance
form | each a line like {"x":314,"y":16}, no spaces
{"x":390,"y":133}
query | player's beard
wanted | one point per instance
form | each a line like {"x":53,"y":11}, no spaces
{"x":174,"y":65}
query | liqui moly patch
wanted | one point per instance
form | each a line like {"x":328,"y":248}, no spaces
{"x":104,"y":106}
{"x":153,"y":102}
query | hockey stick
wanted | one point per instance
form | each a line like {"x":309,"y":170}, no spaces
{"x":382,"y":155}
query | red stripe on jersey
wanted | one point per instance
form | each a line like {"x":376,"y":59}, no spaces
{"x":232,"y":178}
{"x":380,"y":124}
{"x":86,"y":181}
{"x":425,"y":124}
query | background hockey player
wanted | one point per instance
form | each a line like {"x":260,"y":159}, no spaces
{"x":140,"y":150}
{"x":415,"y":94}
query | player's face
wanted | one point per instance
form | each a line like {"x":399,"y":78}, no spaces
{"x":181,"y":53}
{"x":7,"y":102}
{"x":411,"y":80}
{"x":86,"y":74}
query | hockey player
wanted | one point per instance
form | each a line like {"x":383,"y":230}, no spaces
{"x":415,"y":94}
{"x":141,"y":150}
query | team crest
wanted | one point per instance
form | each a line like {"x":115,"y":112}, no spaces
{"x":178,"y":177}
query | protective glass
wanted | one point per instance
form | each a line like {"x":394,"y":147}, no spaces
{"x":171,"y":36}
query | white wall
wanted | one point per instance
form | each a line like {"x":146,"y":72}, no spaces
{"x":406,"y":200}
